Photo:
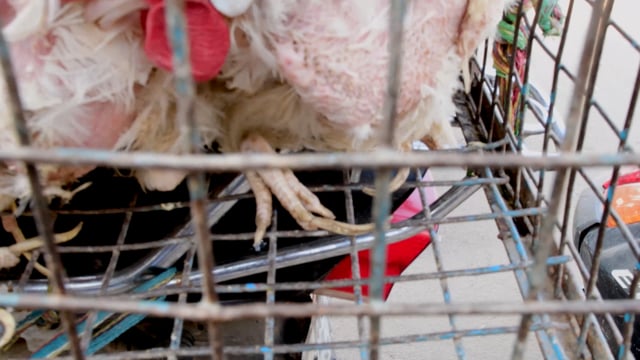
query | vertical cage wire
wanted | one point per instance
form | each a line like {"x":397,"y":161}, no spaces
{"x":185,"y":87}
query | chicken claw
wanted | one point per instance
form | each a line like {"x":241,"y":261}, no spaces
{"x":299,"y":201}
{"x":10,"y":255}
{"x":7,"y":327}
{"x":264,"y":206}
{"x":397,"y":180}
{"x":309,"y":200}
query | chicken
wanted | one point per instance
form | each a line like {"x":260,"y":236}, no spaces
{"x":75,"y":82}
{"x":313,"y":75}
{"x":77,"y":85}
{"x":86,"y":81}
{"x":156,"y":102}
{"x":300,"y":75}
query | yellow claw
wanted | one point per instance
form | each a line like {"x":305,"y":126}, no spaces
{"x":264,"y":207}
{"x":9,"y":255}
{"x":395,"y":183}
{"x":308,"y":199}
{"x":31,"y":244}
{"x":7,"y":327}
{"x":397,"y":180}
{"x":341,"y":228}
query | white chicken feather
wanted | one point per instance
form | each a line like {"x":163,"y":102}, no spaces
{"x":75,"y":80}
{"x":86,"y":82}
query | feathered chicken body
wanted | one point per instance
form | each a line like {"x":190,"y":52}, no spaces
{"x":334,"y":54}
{"x":76,"y":81}
{"x":78,"y":85}
{"x":155,"y":129}
{"x":85,"y":81}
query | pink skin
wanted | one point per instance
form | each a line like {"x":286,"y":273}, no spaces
{"x":344,"y":77}
{"x":105,"y":122}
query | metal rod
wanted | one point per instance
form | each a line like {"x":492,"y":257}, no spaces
{"x":185,"y":87}
{"x":332,"y":284}
{"x":282,"y":349}
{"x":444,"y":283}
{"x":512,"y":64}
{"x":179,"y":43}
{"x":216,"y":312}
{"x":175,"y":340}
{"x":222,"y":198}
{"x":111,"y":268}
{"x":382,"y":201}
{"x":397,"y":13}
{"x":547,"y":129}
{"x":517,"y":252}
{"x":597,"y":254}
{"x":629,"y":319}
{"x":269,"y":324}
{"x":301,"y":161}
{"x":611,"y":190}
{"x":355,"y":271}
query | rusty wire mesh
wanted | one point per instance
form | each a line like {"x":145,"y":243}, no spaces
{"x":530,"y":179}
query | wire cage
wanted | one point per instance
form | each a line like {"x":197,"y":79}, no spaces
{"x":173,"y":275}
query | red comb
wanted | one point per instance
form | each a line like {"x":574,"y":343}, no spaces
{"x":208,"y":38}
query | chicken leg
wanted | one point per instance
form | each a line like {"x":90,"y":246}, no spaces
{"x":299,"y":201}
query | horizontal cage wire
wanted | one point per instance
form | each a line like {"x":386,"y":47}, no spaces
{"x":521,"y":244}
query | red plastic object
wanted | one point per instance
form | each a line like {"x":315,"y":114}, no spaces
{"x":208,"y":33}
{"x":625,"y":179}
{"x":399,"y":255}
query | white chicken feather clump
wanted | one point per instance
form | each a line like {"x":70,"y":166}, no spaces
{"x":155,"y":129}
{"x":86,"y":81}
{"x":79,"y":64}
{"x":75,"y":80}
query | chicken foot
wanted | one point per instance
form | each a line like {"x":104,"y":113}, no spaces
{"x":295,"y":197}
{"x":398,"y":180}
{"x":10,"y":255}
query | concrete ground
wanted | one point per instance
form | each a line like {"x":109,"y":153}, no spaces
{"x":462,"y":246}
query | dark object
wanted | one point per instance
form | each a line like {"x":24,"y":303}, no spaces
{"x":617,"y":265}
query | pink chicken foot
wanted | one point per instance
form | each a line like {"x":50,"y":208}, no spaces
{"x":296,"y":198}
